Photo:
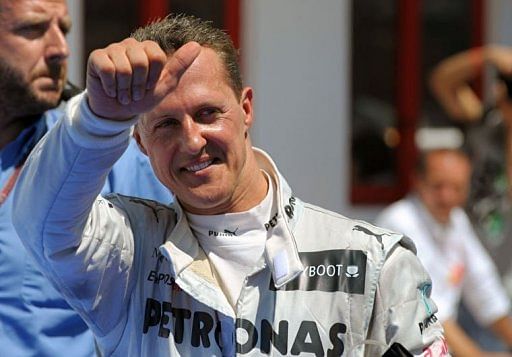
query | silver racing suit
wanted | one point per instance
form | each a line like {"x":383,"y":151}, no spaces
{"x":325,"y":286}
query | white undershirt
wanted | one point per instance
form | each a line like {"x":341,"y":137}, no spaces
{"x":234,"y":242}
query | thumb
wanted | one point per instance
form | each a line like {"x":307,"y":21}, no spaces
{"x":179,"y":62}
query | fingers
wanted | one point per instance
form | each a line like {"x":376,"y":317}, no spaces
{"x":155,"y":69}
{"x":131,"y":77}
{"x":126,"y":70}
{"x":176,"y":66}
{"x":183,"y":58}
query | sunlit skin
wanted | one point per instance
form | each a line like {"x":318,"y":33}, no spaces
{"x":198,"y":143}
{"x":445,"y":184}
{"x":32,"y":40}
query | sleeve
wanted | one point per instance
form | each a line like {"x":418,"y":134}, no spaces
{"x":389,"y":219}
{"x":444,"y":294}
{"x":141,"y":182}
{"x":404,"y":312}
{"x":482,"y":290}
{"x":79,"y":241}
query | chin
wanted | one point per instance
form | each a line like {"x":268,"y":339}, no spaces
{"x":49,"y":99}
{"x":204,"y":204}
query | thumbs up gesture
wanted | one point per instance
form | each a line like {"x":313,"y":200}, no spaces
{"x":130,"y":77}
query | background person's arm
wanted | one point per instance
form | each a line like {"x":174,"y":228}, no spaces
{"x":462,"y":345}
{"x":502,"y":327}
{"x":451,"y":79}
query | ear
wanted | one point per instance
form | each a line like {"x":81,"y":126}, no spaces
{"x":246,"y":104}
{"x":138,"y":139}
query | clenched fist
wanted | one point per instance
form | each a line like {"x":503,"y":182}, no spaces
{"x":131,"y":77}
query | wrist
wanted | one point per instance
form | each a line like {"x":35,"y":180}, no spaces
{"x":92,"y":132}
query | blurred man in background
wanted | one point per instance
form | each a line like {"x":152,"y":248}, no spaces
{"x":486,"y":119}
{"x":34,"y":318}
{"x":488,"y":126}
{"x":447,"y":245}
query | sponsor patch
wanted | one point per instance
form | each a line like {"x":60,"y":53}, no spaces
{"x":201,"y":329}
{"x":330,"y":270}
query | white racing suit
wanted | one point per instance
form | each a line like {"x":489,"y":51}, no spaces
{"x":326,"y":285}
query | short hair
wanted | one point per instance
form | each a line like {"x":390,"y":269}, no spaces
{"x":174,"y":31}
{"x":421,"y":162}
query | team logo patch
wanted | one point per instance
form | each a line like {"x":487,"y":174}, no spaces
{"x":330,"y":270}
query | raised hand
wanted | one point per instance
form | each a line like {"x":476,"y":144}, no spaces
{"x":131,"y":77}
{"x":501,"y":58}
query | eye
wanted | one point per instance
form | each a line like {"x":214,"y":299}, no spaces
{"x":65,"y":26}
{"x":167,"y":123}
{"x":33,"y":30}
{"x":207,"y":114}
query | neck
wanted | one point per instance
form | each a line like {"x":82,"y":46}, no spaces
{"x":254,"y":189}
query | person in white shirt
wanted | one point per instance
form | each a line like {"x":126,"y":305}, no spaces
{"x":433,"y":217}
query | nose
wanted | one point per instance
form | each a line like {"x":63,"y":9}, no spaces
{"x":192,"y":139}
{"x":450,"y":197}
{"x":57,"y":49}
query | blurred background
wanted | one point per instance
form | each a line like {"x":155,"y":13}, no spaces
{"x":340,"y":85}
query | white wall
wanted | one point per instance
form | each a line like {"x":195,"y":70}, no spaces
{"x":296,"y":57}
{"x":76,"y":44}
{"x":498,"y":27}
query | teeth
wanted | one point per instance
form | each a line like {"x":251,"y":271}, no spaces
{"x":200,"y":166}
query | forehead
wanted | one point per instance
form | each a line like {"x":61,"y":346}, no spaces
{"x":18,"y":10}
{"x":206,"y":73}
{"x":207,"y":65}
{"x":205,"y":82}
{"x":448,"y":164}
{"x":447,"y":158}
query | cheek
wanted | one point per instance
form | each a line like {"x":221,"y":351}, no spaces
{"x":31,"y":63}
{"x":160,"y":166}
{"x":163,"y":154}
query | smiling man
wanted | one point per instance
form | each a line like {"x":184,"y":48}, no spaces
{"x":238,"y":264}
{"x":35,"y":320}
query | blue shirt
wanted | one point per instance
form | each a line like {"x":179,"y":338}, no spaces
{"x":34,"y":318}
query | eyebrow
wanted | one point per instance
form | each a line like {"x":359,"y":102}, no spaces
{"x":39,"y":18}
{"x":66,"y":22}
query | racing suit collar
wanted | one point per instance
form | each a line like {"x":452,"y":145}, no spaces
{"x":280,"y":249}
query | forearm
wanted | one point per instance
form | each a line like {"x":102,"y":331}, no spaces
{"x":502,"y":327}
{"x":459,"y":343}
{"x":450,"y":83}
{"x":450,"y":80}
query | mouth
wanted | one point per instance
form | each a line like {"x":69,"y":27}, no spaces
{"x":200,"y":166}
{"x":50,"y":83}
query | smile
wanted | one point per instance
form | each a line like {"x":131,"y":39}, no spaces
{"x":197,"y":167}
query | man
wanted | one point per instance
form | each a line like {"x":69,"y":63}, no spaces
{"x":237,"y":264}
{"x":34,"y":318}
{"x":449,"y":249}
{"x":489,"y":136}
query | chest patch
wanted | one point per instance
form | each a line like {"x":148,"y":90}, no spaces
{"x":330,"y":270}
